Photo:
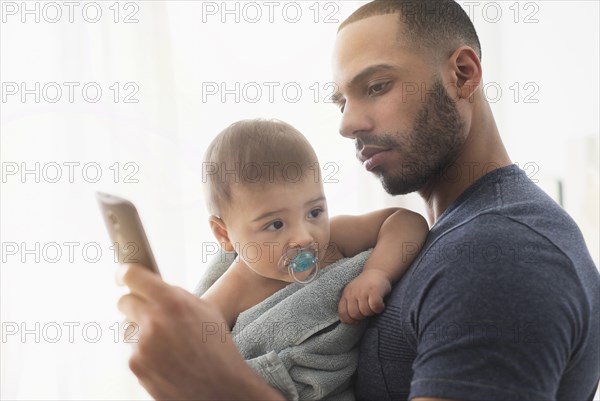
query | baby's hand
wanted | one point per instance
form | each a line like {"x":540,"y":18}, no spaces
{"x":363,"y":296}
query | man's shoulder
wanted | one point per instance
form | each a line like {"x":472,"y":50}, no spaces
{"x":495,"y":252}
{"x":493,"y":255}
{"x":489,"y":237}
{"x":510,"y":196}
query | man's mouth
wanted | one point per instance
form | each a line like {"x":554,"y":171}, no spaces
{"x":372,"y":157}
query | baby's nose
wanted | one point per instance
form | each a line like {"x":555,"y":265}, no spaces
{"x":302,"y":238}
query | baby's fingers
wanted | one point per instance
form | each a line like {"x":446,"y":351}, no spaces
{"x":354,"y":309}
{"x":364,"y":305}
{"x":376,"y":304}
{"x":347,"y":306}
{"x":343,"y":311}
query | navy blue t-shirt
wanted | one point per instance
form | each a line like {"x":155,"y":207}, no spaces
{"x":503,"y":303}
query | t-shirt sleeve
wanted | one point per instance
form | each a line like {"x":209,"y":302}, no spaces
{"x":494,"y":321}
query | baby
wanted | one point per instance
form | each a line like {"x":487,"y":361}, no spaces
{"x":266,"y":200}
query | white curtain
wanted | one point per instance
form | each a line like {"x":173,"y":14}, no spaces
{"x":123,"y":97}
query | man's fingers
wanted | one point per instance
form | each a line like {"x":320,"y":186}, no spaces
{"x":141,"y":281}
{"x":130,"y":305}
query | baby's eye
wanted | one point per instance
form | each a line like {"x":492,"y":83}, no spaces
{"x":315,"y":213}
{"x":274,"y":226}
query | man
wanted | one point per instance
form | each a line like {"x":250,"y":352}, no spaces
{"x":503,"y":301}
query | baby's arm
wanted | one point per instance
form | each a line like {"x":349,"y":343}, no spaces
{"x":224,"y":295}
{"x":396,"y":235}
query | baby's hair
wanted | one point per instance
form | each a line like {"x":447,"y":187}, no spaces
{"x":255,"y":152}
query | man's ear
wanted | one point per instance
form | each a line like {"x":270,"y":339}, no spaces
{"x":466,"y":70}
{"x":219,"y":229}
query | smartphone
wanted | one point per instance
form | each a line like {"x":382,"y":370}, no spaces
{"x":126,"y":231}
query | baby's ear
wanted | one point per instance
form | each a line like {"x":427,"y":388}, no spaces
{"x":219,"y":229}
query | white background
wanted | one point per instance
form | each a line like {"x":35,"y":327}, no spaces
{"x":540,"y":63}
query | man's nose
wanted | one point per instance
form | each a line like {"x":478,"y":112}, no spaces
{"x":354,"y":121}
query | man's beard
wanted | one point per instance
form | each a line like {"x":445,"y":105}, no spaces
{"x":433,"y":144}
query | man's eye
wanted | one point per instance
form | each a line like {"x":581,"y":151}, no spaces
{"x":378,"y":88}
{"x":274,"y":226}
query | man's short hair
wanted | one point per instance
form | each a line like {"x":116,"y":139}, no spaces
{"x":438,"y":25}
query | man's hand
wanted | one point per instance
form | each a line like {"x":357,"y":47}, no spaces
{"x":363,"y":296}
{"x":184,"y":348}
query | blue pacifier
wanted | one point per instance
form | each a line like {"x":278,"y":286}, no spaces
{"x":302,"y":264}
